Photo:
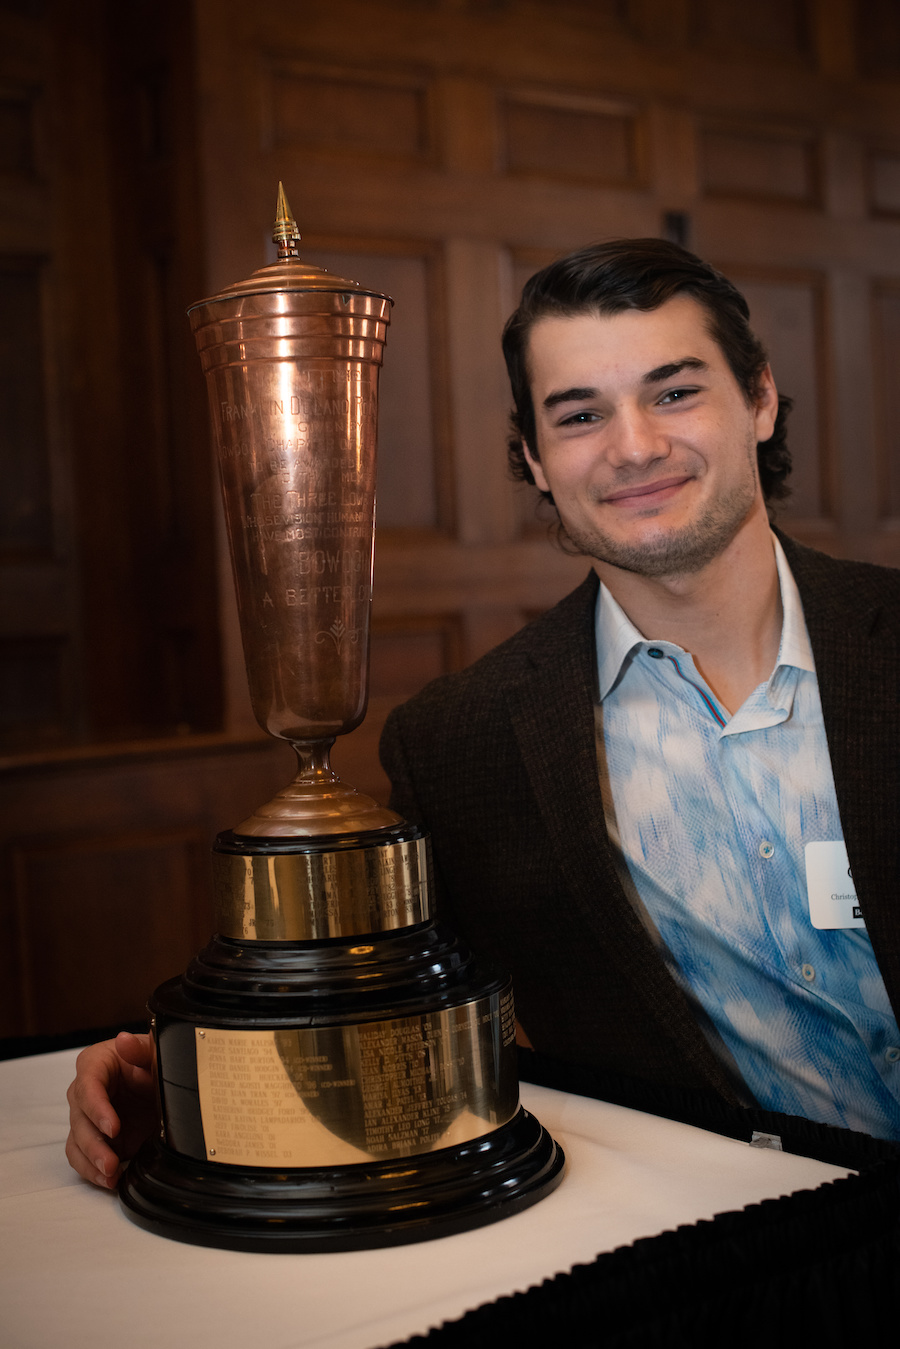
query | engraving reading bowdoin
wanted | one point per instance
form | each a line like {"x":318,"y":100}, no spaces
{"x":345,"y":1094}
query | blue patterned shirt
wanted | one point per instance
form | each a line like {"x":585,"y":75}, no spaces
{"x":709,"y":816}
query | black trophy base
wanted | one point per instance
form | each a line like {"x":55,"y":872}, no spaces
{"x":343,"y":1208}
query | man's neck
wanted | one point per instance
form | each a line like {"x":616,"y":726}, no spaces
{"x":728,"y":615}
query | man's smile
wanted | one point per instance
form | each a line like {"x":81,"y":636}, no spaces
{"x":659,"y":490}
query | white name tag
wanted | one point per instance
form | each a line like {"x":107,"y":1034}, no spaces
{"x":832,"y":894}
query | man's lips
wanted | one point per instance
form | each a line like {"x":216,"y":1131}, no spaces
{"x":657,"y":489}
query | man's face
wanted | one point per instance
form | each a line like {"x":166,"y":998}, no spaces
{"x":644,"y":437}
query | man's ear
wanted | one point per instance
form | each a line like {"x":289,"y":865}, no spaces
{"x":537,"y":471}
{"x":765,"y":406}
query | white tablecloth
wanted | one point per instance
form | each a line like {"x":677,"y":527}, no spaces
{"x":76,"y":1274}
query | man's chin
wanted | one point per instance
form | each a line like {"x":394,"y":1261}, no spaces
{"x":679,"y":553}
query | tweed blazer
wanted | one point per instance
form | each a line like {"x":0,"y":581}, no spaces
{"x":498,"y":764}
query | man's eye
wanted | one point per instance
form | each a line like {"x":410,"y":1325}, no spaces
{"x":677,"y":395}
{"x":582,"y":418}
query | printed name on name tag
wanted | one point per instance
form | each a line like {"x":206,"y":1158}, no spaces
{"x":832,"y":894}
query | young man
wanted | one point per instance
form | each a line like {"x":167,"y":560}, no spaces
{"x":644,"y":802}
{"x":640,"y":803}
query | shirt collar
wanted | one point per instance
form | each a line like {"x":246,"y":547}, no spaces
{"x":617,"y":637}
{"x":795,"y":647}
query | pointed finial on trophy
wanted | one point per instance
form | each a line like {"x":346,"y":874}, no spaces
{"x":286,"y":235}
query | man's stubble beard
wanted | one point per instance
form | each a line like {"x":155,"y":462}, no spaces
{"x":678,"y":553}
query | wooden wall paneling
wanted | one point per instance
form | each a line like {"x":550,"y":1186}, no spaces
{"x":18,"y":132}
{"x":789,"y":313}
{"x":770,"y":29}
{"x":158,"y":272}
{"x":599,"y":13}
{"x":409,"y":651}
{"x":556,"y":42}
{"x":103,"y":920}
{"x":339,"y":109}
{"x":663,"y":24}
{"x":134,"y":605}
{"x":92,"y":344}
{"x":886,"y":342}
{"x":26,"y":508}
{"x":39,"y":647}
{"x":36,"y":690}
{"x":762,"y":163}
{"x":673,"y":156}
{"x":105,"y":866}
{"x":878,"y":38}
{"x":884,"y":182}
{"x":855,"y":418}
{"x":762,"y":236}
{"x":833,"y":32}
{"x":231,"y":122}
{"x":845,"y":188}
{"x":562,"y":135}
{"x":479,"y":392}
{"x":446,"y":578}
{"x":468,"y":130}
{"x":523,"y":263}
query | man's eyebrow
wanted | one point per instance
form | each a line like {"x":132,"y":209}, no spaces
{"x":656,"y":376}
{"x":674,"y":368}
{"x":568,"y":396}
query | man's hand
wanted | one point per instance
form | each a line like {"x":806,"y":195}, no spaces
{"x":112,"y":1107}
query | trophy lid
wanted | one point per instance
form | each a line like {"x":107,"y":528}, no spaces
{"x":289,"y":273}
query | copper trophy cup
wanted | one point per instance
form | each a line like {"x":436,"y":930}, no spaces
{"x":335,"y":1070}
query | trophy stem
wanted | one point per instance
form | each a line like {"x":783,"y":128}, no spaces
{"x":317,"y":802}
{"x":314,"y":758}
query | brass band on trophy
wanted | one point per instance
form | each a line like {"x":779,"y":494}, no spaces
{"x":330,"y":1027}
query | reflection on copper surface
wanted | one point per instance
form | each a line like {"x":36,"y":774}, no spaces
{"x":292,"y":357}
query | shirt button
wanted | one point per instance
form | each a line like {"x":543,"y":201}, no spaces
{"x":766,"y":849}
{"x":655,"y":652}
{"x":808,"y":973}
{"x":892,"y":1054}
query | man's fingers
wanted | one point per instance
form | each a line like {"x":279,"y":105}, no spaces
{"x":89,"y":1095}
{"x":99,"y":1164}
{"x":134,"y":1049}
{"x":112,"y":1107}
{"x":91,"y":1143}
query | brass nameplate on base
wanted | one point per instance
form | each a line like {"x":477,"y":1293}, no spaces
{"x":356,"y":1093}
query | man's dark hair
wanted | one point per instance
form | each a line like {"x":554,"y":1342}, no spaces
{"x":640,"y":274}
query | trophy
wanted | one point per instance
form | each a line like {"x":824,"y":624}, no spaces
{"x":335,"y":1071}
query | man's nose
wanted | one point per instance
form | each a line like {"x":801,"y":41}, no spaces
{"x":635,"y":438}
